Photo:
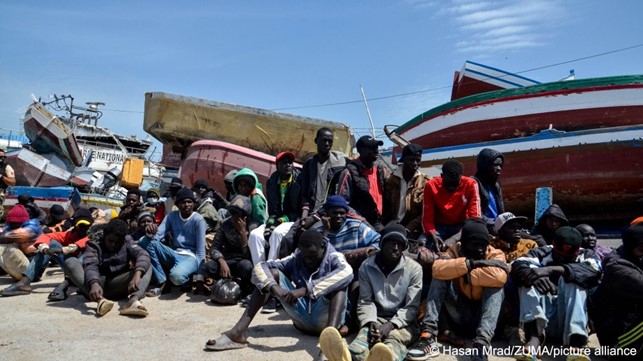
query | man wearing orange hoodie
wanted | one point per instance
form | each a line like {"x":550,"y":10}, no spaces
{"x":468,"y":281}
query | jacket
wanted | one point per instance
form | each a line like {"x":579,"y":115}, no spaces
{"x":99,"y":262}
{"x":308,"y":178}
{"x":333,"y":274}
{"x":452,"y":266}
{"x":412,"y":220}
{"x":542,"y":235}
{"x":617,"y":304}
{"x":64,"y":238}
{"x":585,"y":271}
{"x":289,"y":208}
{"x":227,"y":243}
{"x":449,"y":208}
{"x":354,"y":186}
{"x":484,"y":161}
{"x":395,"y":297}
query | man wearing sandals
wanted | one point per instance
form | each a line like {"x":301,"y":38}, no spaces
{"x":390,"y":285}
{"x":113,"y":267}
{"x":553,"y":283}
{"x":311,"y":284}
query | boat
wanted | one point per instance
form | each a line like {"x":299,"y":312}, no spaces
{"x":212,"y":160}
{"x":522,"y":107}
{"x":49,"y":134}
{"x":44,"y":197}
{"x":178,"y":121}
{"x":583,"y":138}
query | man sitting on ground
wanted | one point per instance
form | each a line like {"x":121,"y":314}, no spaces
{"x":16,"y":241}
{"x":113,"y":267}
{"x":389,"y":300}
{"x":311,"y":284}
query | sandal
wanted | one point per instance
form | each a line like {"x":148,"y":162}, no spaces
{"x":104,"y":306}
{"x":15,"y":290}
{"x":223,"y":343}
{"x":60,"y":292}
{"x":136,"y":309}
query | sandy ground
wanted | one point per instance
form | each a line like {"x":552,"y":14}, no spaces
{"x":176,"y":329}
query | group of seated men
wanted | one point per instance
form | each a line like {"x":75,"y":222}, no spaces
{"x":402,"y":261}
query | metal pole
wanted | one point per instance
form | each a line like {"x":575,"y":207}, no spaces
{"x":368,"y":112}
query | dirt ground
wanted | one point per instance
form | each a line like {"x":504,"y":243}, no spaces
{"x":176,"y":329}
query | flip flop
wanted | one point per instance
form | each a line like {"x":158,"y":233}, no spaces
{"x":15,"y":290}
{"x":59,"y":293}
{"x":136,"y":309}
{"x":153,"y":292}
{"x":380,"y":352}
{"x":104,"y":306}
{"x":332,"y":345}
{"x":223,"y":343}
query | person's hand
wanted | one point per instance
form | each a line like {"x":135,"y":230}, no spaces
{"x":69,"y":249}
{"x":438,"y":242}
{"x":306,"y":222}
{"x":95,"y":292}
{"x":151,"y":229}
{"x":537,"y":273}
{"x":374,"y":335}
{"x":239,"y":224}
{"x":43,"y":248}
{"x":224,"y":269}
{"x":544,"y":286}
{"x":385,"y":329}
{"x":326,"y":222}
{"x":491,"y":263}
{"x":133,"y":284}
{"x":292,"y":296}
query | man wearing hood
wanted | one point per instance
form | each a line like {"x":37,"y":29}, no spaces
{"x":552,"y":219}
{"x":246,"y":184}
{"x":616,"y":308}
{"x":153,"y":204}
{"x":7,"y":178}
{"x":489,"y":166}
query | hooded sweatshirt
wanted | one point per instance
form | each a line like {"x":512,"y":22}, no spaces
{"x":543,"y":235}
{"x":259,"y":203}
{"x":490,"y":192}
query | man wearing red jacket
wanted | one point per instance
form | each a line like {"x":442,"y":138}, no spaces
{"x":449,"y":200}
{"x":60,"y":245}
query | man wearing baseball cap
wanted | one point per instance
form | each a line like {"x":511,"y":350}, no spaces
{"x":362,"y":182}
{"x":509,"y":229}
{"x":547,"y":274}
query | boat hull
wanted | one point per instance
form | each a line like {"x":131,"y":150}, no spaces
{"x":45,"y":197}
{"x":179,"y":121}
{"x":504,"y":114}
{"x":596,"y":175}
{"x":35,"y":170}
{"x":49,"y":134}
{"x":212,"y":160}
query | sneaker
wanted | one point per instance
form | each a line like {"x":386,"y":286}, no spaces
{"x":244,"y":301}
{"x":270,"y":306}
{"x":333,"y":345}
{"x":426,"y":348}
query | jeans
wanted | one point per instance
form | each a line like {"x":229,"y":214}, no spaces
{"x":40,"y":262}
{"x":308,"y":315}
{"x":114,"y":287}
{"x":257,"y":243}
{"x":181,"y":267}
{"x":479,"y":315}
{"x":564,"y":314}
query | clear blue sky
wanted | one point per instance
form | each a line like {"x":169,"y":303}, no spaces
{"x":293,"y":54}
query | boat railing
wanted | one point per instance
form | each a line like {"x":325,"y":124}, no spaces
{"x":14,"y":138}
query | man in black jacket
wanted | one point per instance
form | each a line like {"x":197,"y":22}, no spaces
{"x":616,"y":308}
{"x":489,"y":166}
{"x":113,"y":267}
{"x":553,"y":283}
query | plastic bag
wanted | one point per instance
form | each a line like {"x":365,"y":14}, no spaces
{"x":225,"y":291}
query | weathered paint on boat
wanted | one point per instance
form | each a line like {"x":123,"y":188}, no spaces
{"x":178,"y":121}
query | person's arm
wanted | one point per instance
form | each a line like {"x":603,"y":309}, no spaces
{"x":408,"y":313}
{"x":201,"y":227}
{"x":91,"y":263}
{"x":338,"y":278}
{"x":474,"y":209}
{"x":366,"y":308}
{"x":428,"y":211}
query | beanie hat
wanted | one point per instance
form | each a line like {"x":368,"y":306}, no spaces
{"x":83,"y":216}
{"x":229,"y":177}
{"x":201,"y":183}
{"x":474,"y":229}
{"x":18,"y":214}
{"x":57,"y":213}
{"x":241,"y":204}
{"x":176,"y":182}
{"x":632,"y":236}
{"x":568,"y":235}
{"x":335,"y":202}
{"x":394,"y":231}
{"x":184,"y":193}
{"x":155,"y":191}
{"x":143,"y":215}
{"x":24,"y":199}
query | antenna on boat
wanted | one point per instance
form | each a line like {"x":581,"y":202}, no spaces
{"x":368,"y":112}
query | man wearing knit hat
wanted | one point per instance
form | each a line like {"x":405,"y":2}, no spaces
{"x":553,"y":283}
{"x":183,"y":231}
{"x":616,"y":305}
{"x":389,"y":301}
{"x":60,"y":245}
{"x":16,"y":241}
{"x":468,"y":285}
{"x":404,"y":192}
